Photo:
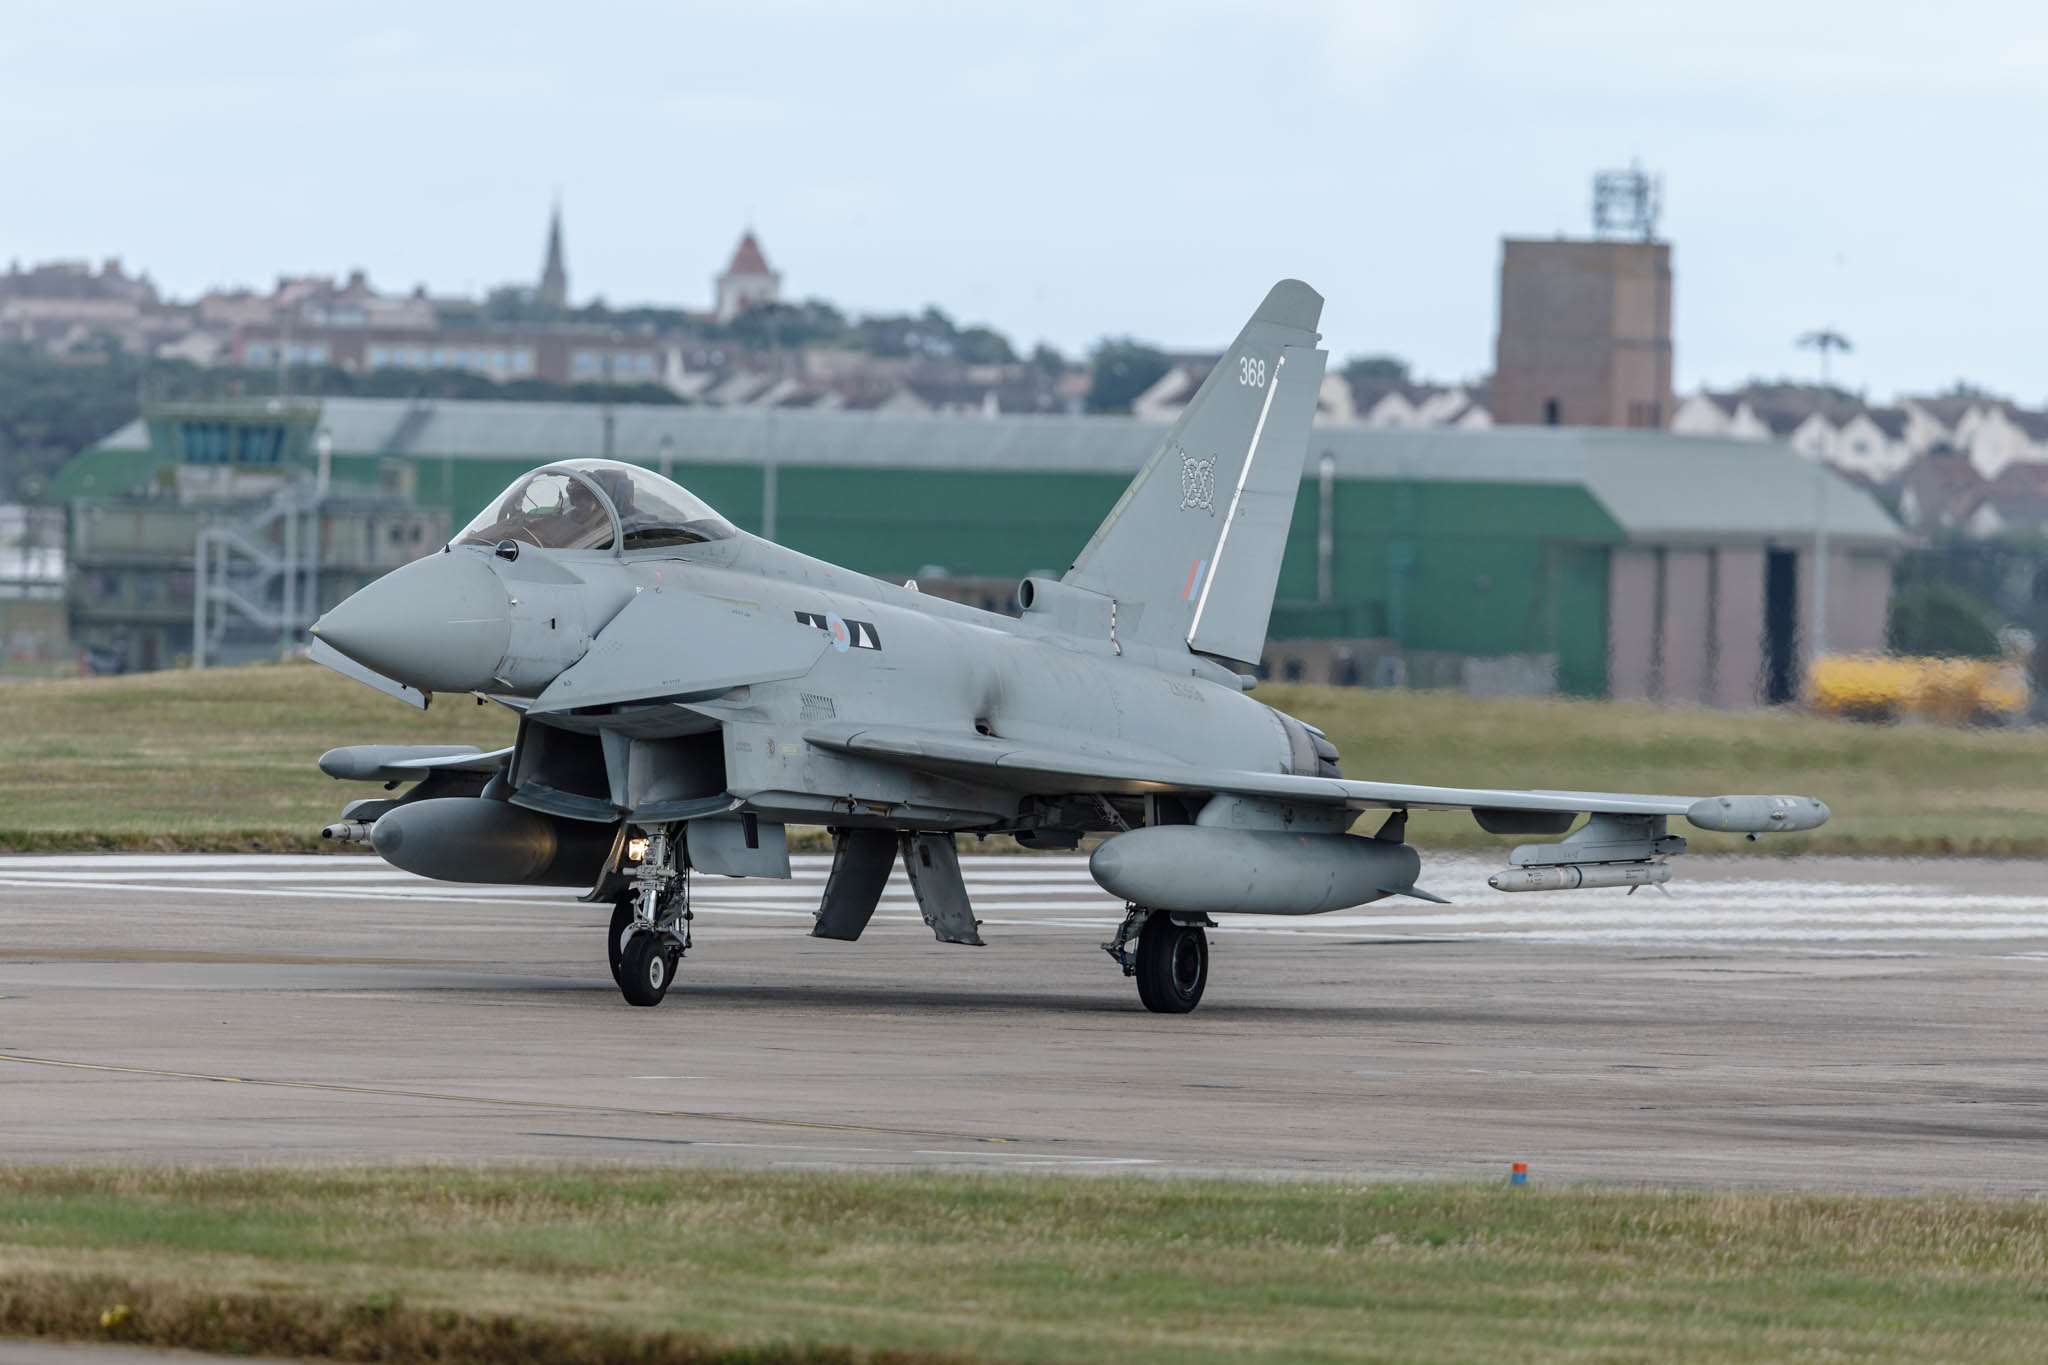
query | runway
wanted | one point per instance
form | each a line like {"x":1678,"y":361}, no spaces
{"x":1822,"y":1023}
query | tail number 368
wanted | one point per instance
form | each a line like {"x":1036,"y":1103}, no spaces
{"x":1251,"y":372}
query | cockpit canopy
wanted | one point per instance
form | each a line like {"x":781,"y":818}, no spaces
{"x":595,"y":505}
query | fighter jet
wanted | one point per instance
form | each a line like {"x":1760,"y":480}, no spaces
{"x":686,"y":691}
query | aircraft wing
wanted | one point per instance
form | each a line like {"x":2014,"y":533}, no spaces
{"x":1046,"y":769}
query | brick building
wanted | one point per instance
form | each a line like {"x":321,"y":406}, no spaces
{"x":1585,"y":334}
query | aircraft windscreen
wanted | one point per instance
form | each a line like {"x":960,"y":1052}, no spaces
{"x":549,"y":509}
{"x":653,"y":511}
{"x":562,"y":507}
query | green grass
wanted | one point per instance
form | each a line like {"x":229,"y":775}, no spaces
{"x":216,"y":760}
{"x":223,"y":760}
{"x":604,"y":1265}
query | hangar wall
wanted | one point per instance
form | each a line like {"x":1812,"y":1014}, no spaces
{"x":1688,"y":623}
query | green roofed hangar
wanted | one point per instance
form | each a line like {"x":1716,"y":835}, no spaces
{"x":1594,"y":562}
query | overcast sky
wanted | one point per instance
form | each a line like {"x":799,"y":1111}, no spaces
{"x":1062,"y":171}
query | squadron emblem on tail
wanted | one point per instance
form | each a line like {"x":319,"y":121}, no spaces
{"x":1197,"y":484}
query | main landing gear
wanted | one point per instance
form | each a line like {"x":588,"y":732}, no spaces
{"x":1171,"y":961}
{"x":650,"y":928}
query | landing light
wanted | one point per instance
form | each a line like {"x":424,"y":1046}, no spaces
{"x":636,"y":849}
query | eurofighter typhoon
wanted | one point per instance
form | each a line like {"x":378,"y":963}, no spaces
{"x":686,"y":691}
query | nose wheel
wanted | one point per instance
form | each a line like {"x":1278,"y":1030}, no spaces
{"x":645,"y":968}
{"x":643,"y":961}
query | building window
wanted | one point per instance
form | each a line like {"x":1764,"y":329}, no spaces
{"x":379,"y":356}
{"x":522,"y":361}
{"x":585,"y":362}
{"x":203,"y":442}
{"x":220,"y":443}
{"x":259,"y":445}
{"x":256,"y":353}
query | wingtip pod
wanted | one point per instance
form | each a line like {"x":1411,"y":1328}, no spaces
{"x":1758,"y":814}
{"x":1291,"y":303}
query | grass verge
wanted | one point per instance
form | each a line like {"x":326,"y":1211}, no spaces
{"x":1894,"y":789}
{"x":603,"y":1266}
{"x":223,"y":761}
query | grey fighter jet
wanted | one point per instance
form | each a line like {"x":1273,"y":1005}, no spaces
{"x":686,"y":691}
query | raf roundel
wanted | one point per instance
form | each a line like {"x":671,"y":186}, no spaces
{"x":842,"y":637}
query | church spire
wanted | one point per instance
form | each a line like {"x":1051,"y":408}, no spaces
{"x":554,"y":276}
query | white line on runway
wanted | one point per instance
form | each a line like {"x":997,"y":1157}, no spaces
{"x":1030,"y":893}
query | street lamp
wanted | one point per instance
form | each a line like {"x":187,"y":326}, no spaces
{"x":1826,"y":341}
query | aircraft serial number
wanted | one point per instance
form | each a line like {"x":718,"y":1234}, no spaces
{"x":1251,"y":372}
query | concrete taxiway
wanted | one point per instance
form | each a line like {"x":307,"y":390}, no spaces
{"x":1824,"y":1023}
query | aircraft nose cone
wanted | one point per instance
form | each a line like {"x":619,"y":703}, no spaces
{"x":441,"y":624}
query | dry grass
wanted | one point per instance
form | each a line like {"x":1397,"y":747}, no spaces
{"x":224,"y":761}
{"x":1901,"y":789}
{"x":614,"y":1265}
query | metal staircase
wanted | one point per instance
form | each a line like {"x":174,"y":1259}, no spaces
{"x":261,"y":572}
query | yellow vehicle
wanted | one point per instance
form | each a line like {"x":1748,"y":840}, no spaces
{"x":1883,"y":687}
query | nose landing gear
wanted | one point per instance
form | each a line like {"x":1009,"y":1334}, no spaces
{"x":650,"y":926}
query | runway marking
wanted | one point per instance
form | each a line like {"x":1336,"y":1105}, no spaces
{"x":709,"y":1116}
{"x":184,"y":955}
{"x":1058,"y":894}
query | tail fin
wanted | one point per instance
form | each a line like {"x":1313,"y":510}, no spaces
{"x":1191,"y":552}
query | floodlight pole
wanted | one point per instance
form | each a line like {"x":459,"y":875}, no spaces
{"x":1326,"y":530}
{"x":202,"y":555}
{"x":1825,"y":341}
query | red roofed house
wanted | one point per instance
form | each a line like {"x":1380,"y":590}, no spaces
{"x":747,"y":281}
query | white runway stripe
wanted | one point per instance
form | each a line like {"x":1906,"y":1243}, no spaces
{"x":1909,"y":905}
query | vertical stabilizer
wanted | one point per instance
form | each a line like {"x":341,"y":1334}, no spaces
{"x":1191,"y":552}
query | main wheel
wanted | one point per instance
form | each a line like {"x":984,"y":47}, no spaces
{"x":645,"y":969}
{"x":1173,"y":964}
{"x":615,"y":940}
